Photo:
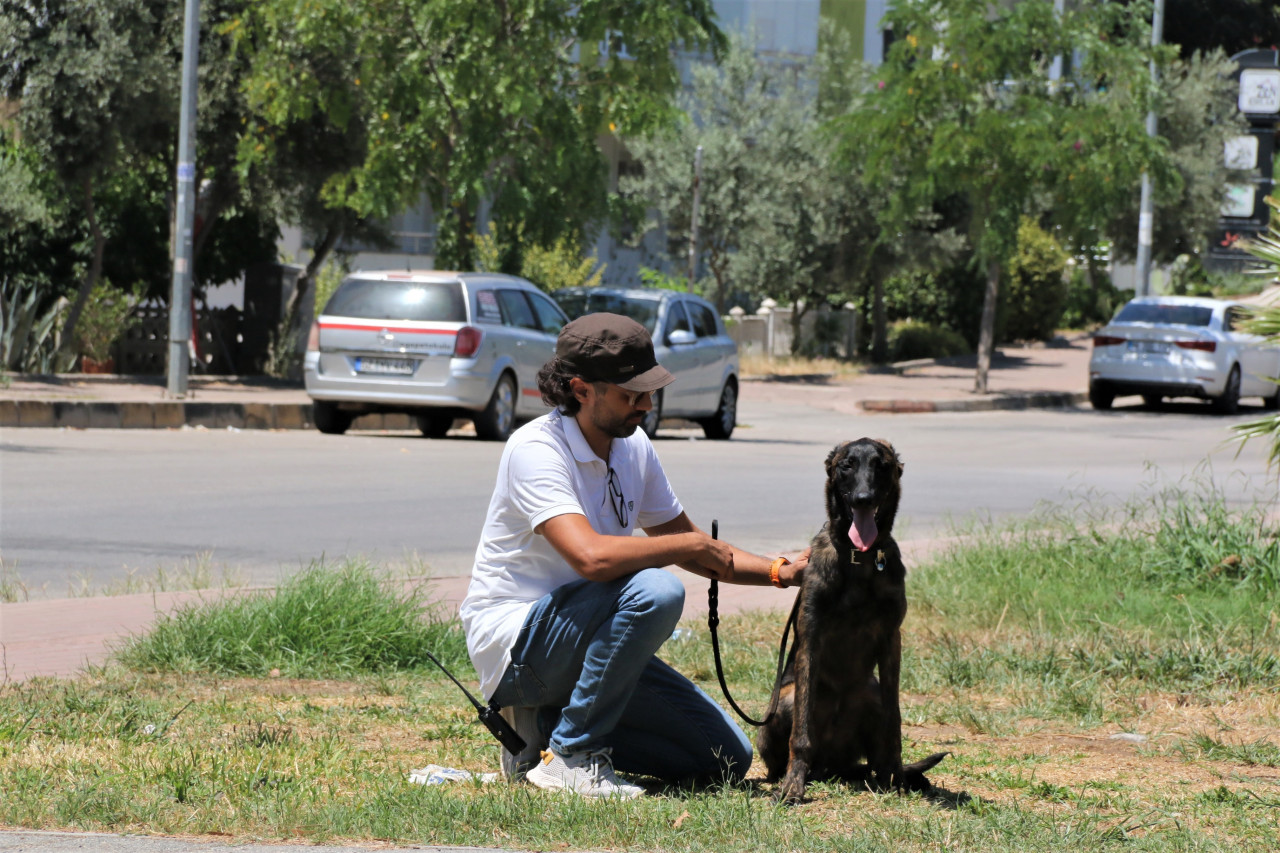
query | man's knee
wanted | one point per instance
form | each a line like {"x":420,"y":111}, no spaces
{"x":658,"y":591}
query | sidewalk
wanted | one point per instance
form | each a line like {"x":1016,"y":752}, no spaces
{"x":1052,"y":375}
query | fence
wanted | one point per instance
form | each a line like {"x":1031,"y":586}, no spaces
{"x":228,"y":341}
{"x":219,"y":342}
{"x":824,"y":331}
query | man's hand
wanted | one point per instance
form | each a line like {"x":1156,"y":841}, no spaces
{"x":793,"y":574}
{"x":714,"y":560}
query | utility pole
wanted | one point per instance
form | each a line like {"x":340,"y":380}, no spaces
{"x":1146,"y":215}
{"x":180,"y":299}
{"x":693,"y":218}
{"x":1055,"y":69}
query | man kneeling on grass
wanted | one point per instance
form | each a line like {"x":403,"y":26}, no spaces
{"x":566,"y":610}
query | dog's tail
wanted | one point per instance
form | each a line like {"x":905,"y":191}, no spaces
{"x":913,"y":778}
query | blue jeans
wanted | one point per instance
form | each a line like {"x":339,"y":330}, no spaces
{"x":585,"y":658}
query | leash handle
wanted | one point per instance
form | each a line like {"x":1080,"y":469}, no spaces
{"x":713,"y":594}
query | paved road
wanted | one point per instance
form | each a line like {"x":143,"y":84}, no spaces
{"x":97,"y":504}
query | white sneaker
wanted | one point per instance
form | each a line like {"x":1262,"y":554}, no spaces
{"x":589,"y":774}
{"x":525,"y":721}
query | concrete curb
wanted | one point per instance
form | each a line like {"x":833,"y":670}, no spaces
{"x":1037,"y":400}
{"x":98,"y":414}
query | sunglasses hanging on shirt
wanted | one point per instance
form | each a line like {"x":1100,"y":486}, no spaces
{"x":617,"y":499}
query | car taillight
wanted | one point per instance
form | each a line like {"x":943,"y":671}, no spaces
{"x":1202,"y":346}
{"x":467,"y":343}
{"x":313,"y":337}
{"x":1106,"y":340}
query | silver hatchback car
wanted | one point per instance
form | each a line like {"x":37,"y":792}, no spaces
{"x":436,"y":345}
{"x":689,"y":339}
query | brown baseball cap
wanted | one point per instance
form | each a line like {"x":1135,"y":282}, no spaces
{"x":612,"y":348}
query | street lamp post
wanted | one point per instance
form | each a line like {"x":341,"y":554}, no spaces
{"x":1146,"y":213}
{"x":180,"y":299}
{"x":693,"y":217}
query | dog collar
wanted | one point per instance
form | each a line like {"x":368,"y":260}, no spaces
{"x":853,"y":559}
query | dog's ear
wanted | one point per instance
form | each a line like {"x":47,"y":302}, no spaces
{"x":893,"y":454}
{"x":835,"y":454}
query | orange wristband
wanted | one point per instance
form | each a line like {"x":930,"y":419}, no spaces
{"x":773,"y":572}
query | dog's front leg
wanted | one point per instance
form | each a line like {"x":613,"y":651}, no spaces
{"x":886,"y":765}
{"x":800,"y":747}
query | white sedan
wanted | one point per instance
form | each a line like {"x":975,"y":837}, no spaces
{"x":1182,"y":346}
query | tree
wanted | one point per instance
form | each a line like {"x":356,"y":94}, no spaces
{"x":93,"y":94}
{"x":965,"y":105}
{"x":468,"y":102}
{"x":736,"y":111}
{"x":1197,"y":114}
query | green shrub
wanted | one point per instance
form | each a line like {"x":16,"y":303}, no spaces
{"x":910,"y":340}
{"x":1033,"y":290}
{"x":107,"y":315}
{"x":321,"y":622}
{"x":1089,"y":305}
{"x":950,"y":298}
{"x":1188,"y":277}
{"x":562,"y":264}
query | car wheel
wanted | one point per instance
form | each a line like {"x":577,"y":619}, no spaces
{"x":1229,"y":402}
{"x":1152,"y":401}
{"x":653,"y":416}
{"x":1273,"y":402}
{"x":721,"y":424}
{"x":498,"y":419}
{"x":1100,"y":397}
{"x":329,"y":419}
{"x":434,"y":424}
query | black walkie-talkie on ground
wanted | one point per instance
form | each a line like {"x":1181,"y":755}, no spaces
{"x":489,"y":715}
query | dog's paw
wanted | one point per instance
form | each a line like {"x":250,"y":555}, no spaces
{"x":790,"y":792}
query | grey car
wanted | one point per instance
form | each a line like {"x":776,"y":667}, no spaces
{"x":436,"y":345}
{"x":689,"y":339}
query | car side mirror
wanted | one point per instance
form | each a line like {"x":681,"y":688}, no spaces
{"x":681,"y":337}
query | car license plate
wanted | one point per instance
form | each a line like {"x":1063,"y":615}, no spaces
{"x":386,"y":366}
{"x":1148,"y":347}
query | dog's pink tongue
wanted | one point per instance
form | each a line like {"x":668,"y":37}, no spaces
{"x":863,"y":531}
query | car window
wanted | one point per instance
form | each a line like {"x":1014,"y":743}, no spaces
{"x":677,"y":320}
{"x":644,"y":311}
{"x":704,"y":319}
{"x":516,"y":310}
{"x":1234,"y":317}
{"x":1164,"y":314}
{"x":487,"y":310}
{"x":550,"y":318}
{"x":398,"y":300}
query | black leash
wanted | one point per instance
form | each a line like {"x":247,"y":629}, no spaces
{"x":713,"y":621}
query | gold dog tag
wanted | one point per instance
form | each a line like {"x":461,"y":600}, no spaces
{"x":879,"y":561}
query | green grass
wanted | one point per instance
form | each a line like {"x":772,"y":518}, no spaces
{"x":1027,"y":648}
{"x":318,"y":623}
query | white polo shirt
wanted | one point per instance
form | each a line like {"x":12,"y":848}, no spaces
{"x":548,"y":469}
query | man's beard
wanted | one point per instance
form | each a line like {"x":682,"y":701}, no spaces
{"x":614,"y":427}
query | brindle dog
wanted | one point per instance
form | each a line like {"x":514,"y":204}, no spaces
{"x":830,"y":713}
